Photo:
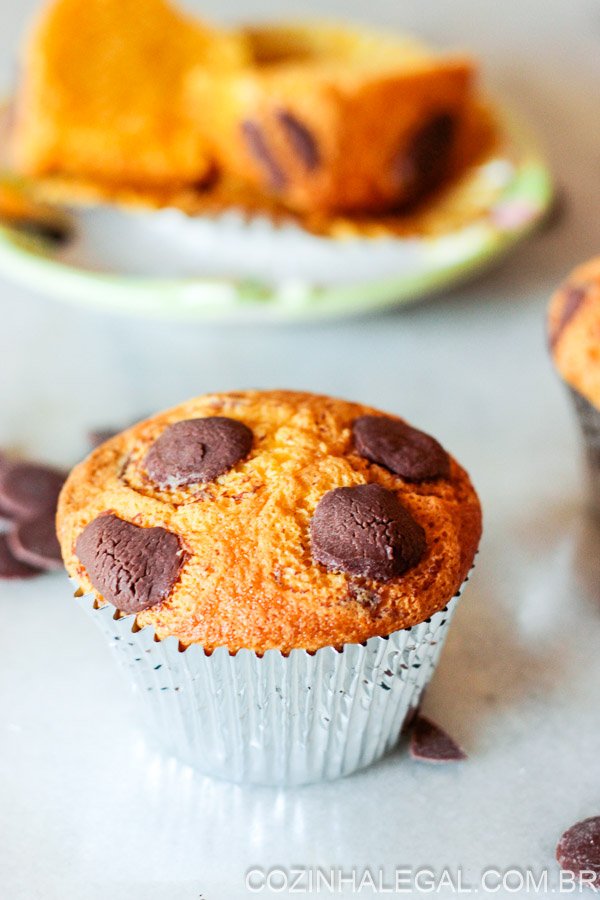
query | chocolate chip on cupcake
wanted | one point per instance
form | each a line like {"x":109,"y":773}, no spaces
{"x":274,"y":521}
{"x":574,"y":342}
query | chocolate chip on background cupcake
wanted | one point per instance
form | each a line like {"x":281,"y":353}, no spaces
{"x":278,"y":572}
{"x":574,"y":342}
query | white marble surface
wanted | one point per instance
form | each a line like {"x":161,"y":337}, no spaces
{"x":85,"y":810}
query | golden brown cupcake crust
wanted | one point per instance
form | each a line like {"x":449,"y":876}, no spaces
{"x":574,"y":330}
{"x":249,"y":579}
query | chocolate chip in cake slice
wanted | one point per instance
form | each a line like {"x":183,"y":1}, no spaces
{"x":197,"y":451}
{"x":131,"y":567}
{"x":35,"y":543}
{"x":29,"y":489}
{"x":430,"y":743}
{"x":399,"y":447}
{"x":422,"y":165}
{"x":11,"y":568}
{"x":365,"y":530}
{"x":578,"y":850}
{"x":300,"y":138}
{"x":256,"y":143}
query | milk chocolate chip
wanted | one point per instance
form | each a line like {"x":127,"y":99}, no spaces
{"x":364,"y":530}
{"x":131,"y":567}
{"x":301,"y":139}
{"x":578,"y":850}
{"x":197,"y":450}
{"x":403,"y":450}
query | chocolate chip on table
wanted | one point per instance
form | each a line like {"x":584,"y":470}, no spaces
{"x":430,"y":743}
{"x":422,"y":165}
{"x":54,"y":232}
{"x":256,"y":143}
{"x":578,"y":850}
{"x":197,"y":450}
{"x":399,"y":447}
{"x":131,"y":567}
{"x":11,"y":567}
{"x":365,"y":530}
{"x":301,"y":139}
{"x":29,"y":489}
{"x":574,"y":297}
{"x":34,"y":542}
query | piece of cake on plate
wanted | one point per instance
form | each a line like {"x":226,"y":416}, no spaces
{"x":101,"y":92}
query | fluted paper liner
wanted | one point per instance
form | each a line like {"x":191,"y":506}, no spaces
{"x":589,"y":421}
{"x":276,"y":719}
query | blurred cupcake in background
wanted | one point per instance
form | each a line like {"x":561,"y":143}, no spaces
{"x":574,"y":339}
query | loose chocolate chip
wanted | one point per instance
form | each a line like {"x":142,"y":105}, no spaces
{"x":256,"y":143}
{"x":133,"y":568}
{"x":578,"y":850}
{"x":197,"y":450}
{"x":430,"y":743}
{"x":574,"y":297}
{"x":404,"y":450}
{"x":364,"y":530}
{"x":34,"y":542}
{"x":10,"y":567}
{"x":27,"y":489}
{"x":422,"y":165}
{"x":301,"y":139}
{"x":53,"y":232}
{"x":5,"y":514}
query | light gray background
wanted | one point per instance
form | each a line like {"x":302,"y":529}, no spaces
{"x":85,"y":810}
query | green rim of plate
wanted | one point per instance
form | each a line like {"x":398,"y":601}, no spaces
{"x":29,"y":261}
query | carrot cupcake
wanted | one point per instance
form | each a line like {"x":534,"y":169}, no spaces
{"x":277,"y":570}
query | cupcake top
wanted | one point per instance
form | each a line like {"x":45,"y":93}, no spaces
{"x":270,"y":520}
{"x":574,"y":330}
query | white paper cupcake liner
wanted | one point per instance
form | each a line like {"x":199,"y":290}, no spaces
{"x":275,"y":719}
{"x":589,"y":421}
